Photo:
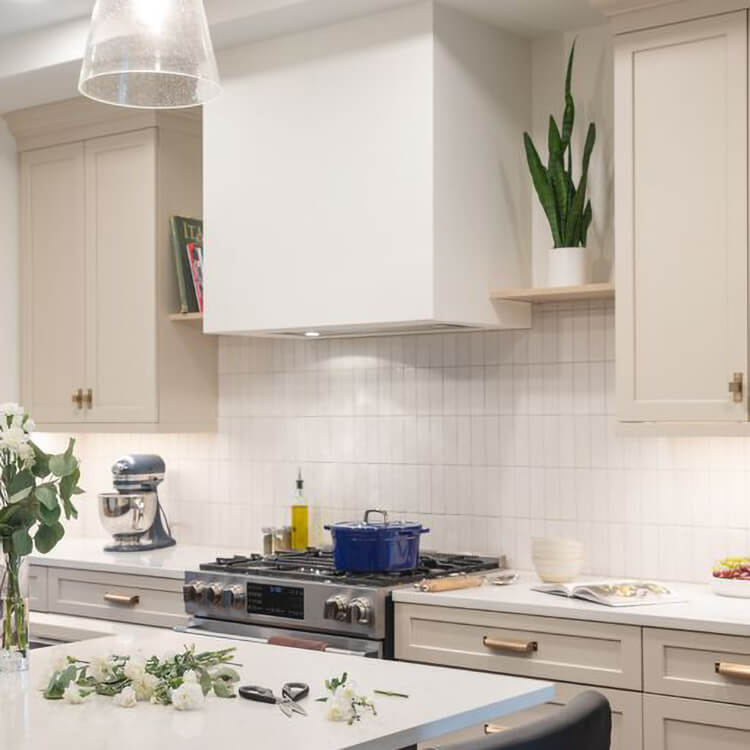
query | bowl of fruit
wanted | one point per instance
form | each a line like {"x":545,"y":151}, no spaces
{"x":731,"y":577}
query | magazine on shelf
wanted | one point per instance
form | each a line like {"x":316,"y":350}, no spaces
{"x":195,"y":261}
{"x":627,"y":593}
{"x":184,"y":231}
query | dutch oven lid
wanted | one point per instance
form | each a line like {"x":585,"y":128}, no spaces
{"x":367,"y":525}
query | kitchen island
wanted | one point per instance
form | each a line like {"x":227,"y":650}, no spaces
{"x":440,"y":700}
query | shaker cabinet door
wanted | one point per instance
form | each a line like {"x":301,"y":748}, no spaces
{"x":681,"y":220}
{"x":52,"y":289}
{"x":121,"y":277}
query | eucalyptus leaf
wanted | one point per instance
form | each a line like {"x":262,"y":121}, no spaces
{"x":49,"y":517}
{"x":46,"y":494}
{"x":22,"y":544}
{"x":21,"y":486}
{"x":47,"y":537}
{"x":223,"y":689}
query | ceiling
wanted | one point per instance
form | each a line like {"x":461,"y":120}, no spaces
{"x":526,"y":17}
{"x":17,"y":16}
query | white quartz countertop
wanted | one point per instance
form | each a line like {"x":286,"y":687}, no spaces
{"x":441,"y":700}
{"x":702,"y":610}
{"x":170,"y":562}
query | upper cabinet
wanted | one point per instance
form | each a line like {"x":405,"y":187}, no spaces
{"x":98,"y":351}
{"x":368,"y":176}
{"x":681,"y":173}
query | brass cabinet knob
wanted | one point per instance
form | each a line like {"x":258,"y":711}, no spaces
{"x":88,"y":398}
{"x":77,"y":398}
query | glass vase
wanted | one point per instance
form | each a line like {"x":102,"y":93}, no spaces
{"x":14,"y":614}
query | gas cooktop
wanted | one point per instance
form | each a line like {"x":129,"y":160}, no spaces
{"x":317,"y":565}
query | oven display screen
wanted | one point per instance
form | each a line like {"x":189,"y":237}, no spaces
{"x":277,"y":601}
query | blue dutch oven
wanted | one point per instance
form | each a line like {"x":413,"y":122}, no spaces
{"x":382,"y":547}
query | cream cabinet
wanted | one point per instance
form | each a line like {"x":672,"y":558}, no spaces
{"x":681,"y":172}
{"x":99,"y":351}
{"x":682,"y":724}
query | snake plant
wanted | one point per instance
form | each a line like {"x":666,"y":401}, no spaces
{"x":564,"y":203}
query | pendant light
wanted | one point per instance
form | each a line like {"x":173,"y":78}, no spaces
{"x":153,"y":54}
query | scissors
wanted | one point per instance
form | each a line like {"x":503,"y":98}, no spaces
{"x":291,"y":692}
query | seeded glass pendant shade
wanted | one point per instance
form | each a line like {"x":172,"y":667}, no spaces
{"x":153,"y":54}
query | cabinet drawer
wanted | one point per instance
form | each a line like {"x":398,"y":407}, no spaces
{"x":697,"y":665}
{"x":627,"y":718}
{"x":38,"y":588}
{"x":544,"y":647}
{"x":115,"y":596}
{"x":682,"y":724}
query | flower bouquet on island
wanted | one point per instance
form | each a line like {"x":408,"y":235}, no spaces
{"x":36,"y":490}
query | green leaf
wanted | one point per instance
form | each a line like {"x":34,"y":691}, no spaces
{"x":574,"y":225}
{"x":586,"y":223}
{"x":569,"y":114}
{"x":62,"y":465}
{"x":40,"y":468}
{"x":49,"y":517}
{"x":20,"y":486}
{"x":47,"y":537}
{"x":543,"y":188}
{"x":46,"y":494}
{"x":556,"y":171}
{"x":22,"y":544}
{"x":68,"y":483}
{"x":223,"y":689}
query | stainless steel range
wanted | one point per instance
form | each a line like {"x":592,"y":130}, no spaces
{"x":301,"y":595}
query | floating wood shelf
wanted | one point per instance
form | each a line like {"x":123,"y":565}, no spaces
{"x":557,"y":293}
{"x":187,"y":316}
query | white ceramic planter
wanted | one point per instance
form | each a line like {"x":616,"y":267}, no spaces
{"x":567,"y":266}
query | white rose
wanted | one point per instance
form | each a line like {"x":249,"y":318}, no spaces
{"x":134,"y":669}
{"x":100,"y":669}
{"x":12,"y":438}
{"x":11,"y":409}
{"x":72,"y":694}
{"x":126,"y":698}
{"x":346,"y":692}
{"x":144,"y":686}
{"x":26,"y":454}
{"x":188,"y":697}
{"x":339,"y":710}
{"x":190,"y":676}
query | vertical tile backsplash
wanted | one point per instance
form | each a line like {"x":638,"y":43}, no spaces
{"x":488,"y":438}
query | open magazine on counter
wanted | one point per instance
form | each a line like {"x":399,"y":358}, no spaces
{"x":629,"y":593}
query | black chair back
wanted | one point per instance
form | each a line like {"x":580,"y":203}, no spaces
{"x":584,"y":724}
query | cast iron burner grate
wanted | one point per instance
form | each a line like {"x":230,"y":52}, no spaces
{"x":317,"y":564}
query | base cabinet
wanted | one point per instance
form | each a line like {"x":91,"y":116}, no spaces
{"x":683,"y":724}
{"x":627,"y":719}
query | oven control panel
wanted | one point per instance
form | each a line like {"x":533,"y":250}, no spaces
{"x":275,"y":600}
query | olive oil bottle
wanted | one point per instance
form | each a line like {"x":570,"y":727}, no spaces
{"x":300,"y":516}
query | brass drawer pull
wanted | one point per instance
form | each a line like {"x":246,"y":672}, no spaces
{"x":512,"y":647}
{"x":77,"y":398}
{"x":88,"y":398}
{"x":494,"y":728}
{"x":738,"y":671}
{"x":129,"y":600}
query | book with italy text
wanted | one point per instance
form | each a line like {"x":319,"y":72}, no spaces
{"x":185,"y":231}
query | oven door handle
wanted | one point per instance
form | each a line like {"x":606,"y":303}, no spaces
{"x":234,"y":637}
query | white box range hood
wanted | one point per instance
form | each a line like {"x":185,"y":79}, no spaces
{"x":368,"y":177}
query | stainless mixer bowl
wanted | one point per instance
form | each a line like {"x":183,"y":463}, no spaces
{"x":127,"y":515}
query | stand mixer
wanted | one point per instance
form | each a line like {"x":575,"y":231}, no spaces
{"x":133,"y":514}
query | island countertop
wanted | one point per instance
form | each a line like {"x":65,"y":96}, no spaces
{"x":702,"y":610}
{"x":441,"y":700}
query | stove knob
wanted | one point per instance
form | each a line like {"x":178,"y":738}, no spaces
{"x":336,"y":608}
{"x":233,"y":596}
{"x":360,"y":611}
{"x":214,"y":593}
{"x":192,"y":592}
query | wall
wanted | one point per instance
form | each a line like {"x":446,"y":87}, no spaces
{"x":9,"y":362}
{"x":487,"y":438}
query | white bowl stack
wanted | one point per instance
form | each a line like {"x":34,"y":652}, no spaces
{"x":556,"y":559}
